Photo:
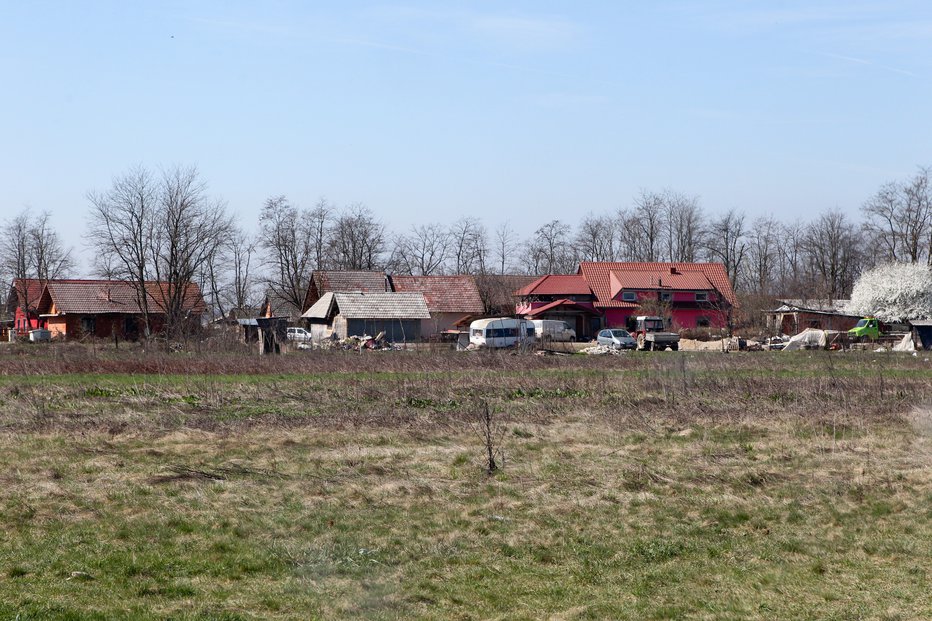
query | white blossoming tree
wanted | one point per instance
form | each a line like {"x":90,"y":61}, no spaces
{"x":894,"y":292}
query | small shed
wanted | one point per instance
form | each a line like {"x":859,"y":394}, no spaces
{"x":397,"y":315}
{"x":922,"y":333}
{"x":794,"y":316}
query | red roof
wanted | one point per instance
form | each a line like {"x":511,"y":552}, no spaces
{"x":444,"y":294}
{"x":599,"y":277}
{"x":28,"y":291}
{"x":96,"y":297}
{"x":644,"y":280}
{"x":556,"y":284}
{"x":566,"y":304}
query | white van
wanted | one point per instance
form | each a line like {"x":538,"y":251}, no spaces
{"x":554,"y":330}
{"x":501,"y":332}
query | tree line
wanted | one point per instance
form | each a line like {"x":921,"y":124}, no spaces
{"x":165,"y":226}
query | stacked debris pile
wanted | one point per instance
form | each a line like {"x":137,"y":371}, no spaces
{"x":359,"y":343}
{"x":601,"y":350}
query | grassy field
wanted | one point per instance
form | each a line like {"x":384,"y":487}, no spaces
{"x":339,"y":485}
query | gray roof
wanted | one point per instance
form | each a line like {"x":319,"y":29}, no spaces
{"x":321,"y":309}
{"x":835,"y":307}
{"x":381,"y":305}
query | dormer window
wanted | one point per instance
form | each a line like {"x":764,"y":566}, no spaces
{"x":702,"y":296}
{"x":629,"y":296}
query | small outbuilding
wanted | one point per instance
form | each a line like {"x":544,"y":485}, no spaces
{"x":396,"y":315}
{"x":922,"y":333}
{"x":794,"y":316}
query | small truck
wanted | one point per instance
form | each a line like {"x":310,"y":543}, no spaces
{"x":649,"y":333}
{"x":867,"y":329}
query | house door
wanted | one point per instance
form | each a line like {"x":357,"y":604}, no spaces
{"x":130,"y":328}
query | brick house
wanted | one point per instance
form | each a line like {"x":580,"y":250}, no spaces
{"x":22,"y":304}
{"x":450,"y":299}
{"x":100,"y":308}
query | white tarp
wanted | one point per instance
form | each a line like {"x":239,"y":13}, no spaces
{"x":906,"y":344}
{"x":810,"y":338}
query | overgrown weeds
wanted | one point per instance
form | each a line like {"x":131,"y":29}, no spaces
{"x":688,"y":486}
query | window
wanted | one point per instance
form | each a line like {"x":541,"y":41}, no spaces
{"x":653,"y":325}
{"x":702,"y":322}
{"x":666,"y":296}
{"x":702,"y":296}
{"x":629,"y":296}
{"x":530,"y":330}
{"x":88,"y":325}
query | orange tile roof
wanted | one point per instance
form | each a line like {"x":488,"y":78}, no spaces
{"x":599,"y":277}
{"x":444,"y":294}
{"x":556,"y":284}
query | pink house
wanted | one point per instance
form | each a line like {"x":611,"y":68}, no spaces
{"x":688,"y":295}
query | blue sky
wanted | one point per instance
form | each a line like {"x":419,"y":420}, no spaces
{"x":525,"y":111}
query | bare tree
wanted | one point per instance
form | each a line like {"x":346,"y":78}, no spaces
{"x":683,"y":227}
{"x":30,"y":248}
{"x":242,"y":248}
{"x":319,"y":223}
{"x":422,"y":252}
{"x":191,"y":230}
{"x":832,"y":247}
{"x":760,"y":267}
{"x":550,"y":251}
{"x":643,"y":227}
{"x":899,"y":218}
{"x":15,"y":250}
{"x":791,"y":276}
{"x":727,"y":244}
{"x":468,"y":246}
{"x":166,"y":229}
{"x":597,"y":239}
{"x":121,"y":226}
{"x":287,"y":237}
{"x":357,"y":239}
{"x":506,"y":242}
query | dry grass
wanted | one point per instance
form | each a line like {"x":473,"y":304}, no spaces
{"x":657,"y":486}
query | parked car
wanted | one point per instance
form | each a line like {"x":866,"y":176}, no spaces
{"x":553,"y":330}
{"x":299,"y":335}
{"x":501,"y":332}
{"x":617,"y":338}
